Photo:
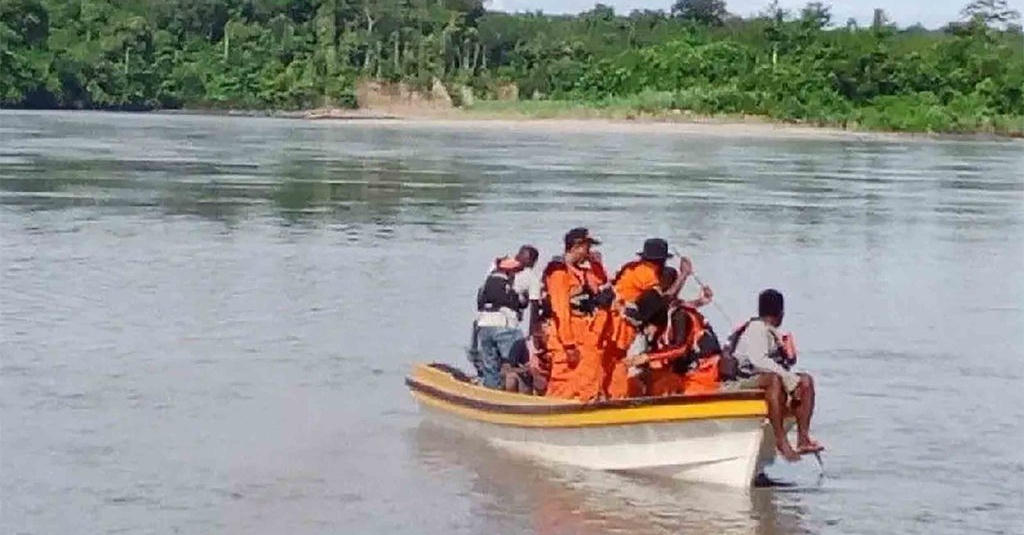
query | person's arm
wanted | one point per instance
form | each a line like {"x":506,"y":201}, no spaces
{"x":666,"y":355}
{"x":636,"y":354}
{"x":706,"y":295}
{"x":597,"y":265}
{"x":533,"y":297}
{"x":679,"y":343}
{"x":685,"y":270}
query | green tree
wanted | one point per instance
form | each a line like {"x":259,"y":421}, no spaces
{"x":706,"y":12}
{"x":991,"y":12}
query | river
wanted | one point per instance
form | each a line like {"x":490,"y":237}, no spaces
{"x":205,"y":321}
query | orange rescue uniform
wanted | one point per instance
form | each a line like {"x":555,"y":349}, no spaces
{"x":674,"y":345}
{"x":568,"y":326}
{"x":632,"y":280}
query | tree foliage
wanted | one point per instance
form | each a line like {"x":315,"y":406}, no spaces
{"x":290,"y":54}
{"x":707,"y":12}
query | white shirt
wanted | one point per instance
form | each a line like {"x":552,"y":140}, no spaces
{"x":753,"y":352}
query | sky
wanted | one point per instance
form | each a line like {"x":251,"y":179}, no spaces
{"x":930,"y":13}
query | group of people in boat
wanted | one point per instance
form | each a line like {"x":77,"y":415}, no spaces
{"x":592,"y":337}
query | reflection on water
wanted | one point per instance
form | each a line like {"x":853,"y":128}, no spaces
{"x":205,"y":321}
{"x":299,"y":191}
{"x":555,"y":500}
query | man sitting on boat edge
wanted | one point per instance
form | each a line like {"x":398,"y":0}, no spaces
{"x":763,"y":361}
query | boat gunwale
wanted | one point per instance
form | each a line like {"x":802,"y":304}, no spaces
{"x":569,"y":407}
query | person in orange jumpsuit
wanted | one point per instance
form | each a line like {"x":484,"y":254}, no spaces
{"x":578,"y":297}
{"x":682,"y":354}
{"x":632,"y":280}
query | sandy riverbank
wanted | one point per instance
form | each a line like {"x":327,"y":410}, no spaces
{"x":622,"y":126}
{"x":598,"y":123}
{"x":590,"y":122}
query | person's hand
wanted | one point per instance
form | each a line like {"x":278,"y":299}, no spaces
{"x":595,"y":256}
{"x":572,"y":355}
{"x":789,"y":347}
{"x":685,"y":267}
{"x":706,"y":295}
{"x":637,"y":360}
{"x":537,"y":345}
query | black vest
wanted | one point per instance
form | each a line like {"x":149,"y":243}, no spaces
{"x":497,"y":293}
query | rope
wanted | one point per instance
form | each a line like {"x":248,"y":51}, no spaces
{"x":713,"y":300}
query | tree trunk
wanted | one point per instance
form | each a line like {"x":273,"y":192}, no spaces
{"x":367,"y":60}
{"x":476,"y":57}
{"x":326,"y":34}
{"x":369,"y":21}
{"x":420,"y":58}
{"x":380,"y":55}
{"x":398,"y":55}
{"x":444,"y":52}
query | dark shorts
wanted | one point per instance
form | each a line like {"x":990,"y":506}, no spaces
{"x":742,"y":383}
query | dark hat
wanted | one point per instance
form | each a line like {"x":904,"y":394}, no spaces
{"x":655,"y":249}
{"x":650,"y":308}
{"x":579,"y":235}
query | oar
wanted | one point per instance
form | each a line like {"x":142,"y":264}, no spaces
{"x":821,"y":465}
{"x":713,"y":301}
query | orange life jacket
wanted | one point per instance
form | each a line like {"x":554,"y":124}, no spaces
{"x":625,"y":267}
{"x":588,"y":297}
{"x":700,"y":372}
{"x":699,"y":339}
{"x":692,"y":353}
{"x":621,"y":295}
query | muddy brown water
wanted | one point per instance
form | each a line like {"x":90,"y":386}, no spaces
{"x":205,"y":321}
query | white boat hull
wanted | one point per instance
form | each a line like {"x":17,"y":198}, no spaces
{"x":724,"y":451}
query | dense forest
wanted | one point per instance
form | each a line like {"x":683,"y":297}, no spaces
{"x":796,"y":65}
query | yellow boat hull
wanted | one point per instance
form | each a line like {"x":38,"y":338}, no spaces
{"x":717,"y":438}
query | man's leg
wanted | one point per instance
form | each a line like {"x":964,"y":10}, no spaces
{"x":775,"y":397}
{"x":803,"y":407}
{"x":510,"y":378}
{"x":615,"y":373}
{"x":589,"y":377}
{"x":490,"y":358}
{"x":561,"y":379}
{"x":506,"y":341}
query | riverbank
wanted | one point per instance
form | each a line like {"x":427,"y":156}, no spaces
{"x":572,"y":117}
{"x":580,"y":120}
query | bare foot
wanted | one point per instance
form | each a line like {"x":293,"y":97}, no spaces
{"x":808,"y":445}
{"x":787,"y":452}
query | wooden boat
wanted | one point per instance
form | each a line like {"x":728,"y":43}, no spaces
{"x":720,"y":438}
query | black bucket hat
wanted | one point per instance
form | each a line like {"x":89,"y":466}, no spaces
{"x":655,"y":249}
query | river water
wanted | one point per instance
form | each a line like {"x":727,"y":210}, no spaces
{"x":206,"y":321}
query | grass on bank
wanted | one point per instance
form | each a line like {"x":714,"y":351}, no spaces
{"x":920,"y":113}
